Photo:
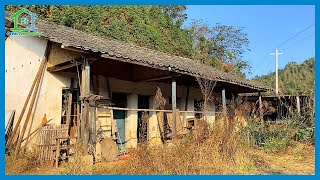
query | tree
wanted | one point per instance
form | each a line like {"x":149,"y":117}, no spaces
{"x":221,"y":46}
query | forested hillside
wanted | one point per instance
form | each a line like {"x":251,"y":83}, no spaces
{"x":156,"y":27}
{"x":293,"y":79}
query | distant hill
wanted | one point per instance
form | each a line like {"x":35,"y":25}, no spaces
{"x":293,"y":79}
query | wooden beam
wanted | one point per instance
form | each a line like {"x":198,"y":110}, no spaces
{"x":174,"y":105}
{"x":168,"y":76}
{"x":74,"y":49}
{"x":66,"y":65}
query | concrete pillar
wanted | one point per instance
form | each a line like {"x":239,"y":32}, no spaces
{"x":153,"y":127}
{"x":174,"y":105}
{"x":298,"y":105}
{"x":224,"y":106}
{"x":211,"y":116}
{"x":224,"y":102}
{"x":184,"y":107}
{"x":131,"y":122}
{"x":260,"y":106}
{"x":190,"y":107}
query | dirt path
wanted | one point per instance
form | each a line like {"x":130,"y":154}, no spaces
{"x":297,"y":160}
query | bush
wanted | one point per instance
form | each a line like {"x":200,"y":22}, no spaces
{"x":270,"y":136}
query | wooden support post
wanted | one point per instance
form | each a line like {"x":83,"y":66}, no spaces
{"x":78,"y":111}
{"x":174,"y":105}
{"x":57,"y":152}
{"x":85,"y":91}
{"x":298,"y":105}
{"x":260,"y":106}
{"x":68,"y":118}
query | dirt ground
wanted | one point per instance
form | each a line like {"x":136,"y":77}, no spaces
{"x":295,"y":160}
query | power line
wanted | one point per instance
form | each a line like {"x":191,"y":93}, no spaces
{"x":290,"y":45}
{"x":297,"y":34}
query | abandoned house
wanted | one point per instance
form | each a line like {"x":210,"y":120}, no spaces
{"x":88,"y":80}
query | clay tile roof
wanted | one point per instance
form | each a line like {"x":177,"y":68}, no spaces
{"x":135,"y":54}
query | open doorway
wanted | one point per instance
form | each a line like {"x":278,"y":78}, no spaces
{"x":142,"y":128}
{"x":120,"y":100}
{"x":74,"y":106}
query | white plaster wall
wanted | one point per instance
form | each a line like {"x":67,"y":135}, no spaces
{"x":55,"y":83}
{"x":131,"y":121}
{"x":153,"y":128}
{"x":23,"y":56}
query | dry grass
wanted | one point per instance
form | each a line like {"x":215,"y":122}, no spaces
{"x":215,"y":150}
{"x":220,"y":148}
{"x":211,"y":151}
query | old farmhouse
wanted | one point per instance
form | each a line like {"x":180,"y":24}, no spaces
{"x":97,"y":86}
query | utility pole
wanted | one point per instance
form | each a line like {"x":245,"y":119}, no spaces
{"x":276,"y":54}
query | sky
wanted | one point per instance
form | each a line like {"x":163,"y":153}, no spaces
{"x":267,"y":26}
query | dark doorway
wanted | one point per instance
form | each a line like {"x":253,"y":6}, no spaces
{"x":74,"y":106}
{"x":142,"y":131}
{"x":198,"y":107}
{"x":120,"y":100}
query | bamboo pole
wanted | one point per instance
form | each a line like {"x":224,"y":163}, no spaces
{"x":23,"y":130}
{"x":26,"y":103}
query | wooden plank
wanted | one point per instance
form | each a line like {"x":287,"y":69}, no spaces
{"x":36,"y":130}
{"x":57,"y":152}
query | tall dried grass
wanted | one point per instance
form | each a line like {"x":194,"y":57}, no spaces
{"x":206,"y":150}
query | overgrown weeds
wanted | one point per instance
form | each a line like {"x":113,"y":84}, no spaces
{"x":279,"y":135}
{"x":205,"y":150}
